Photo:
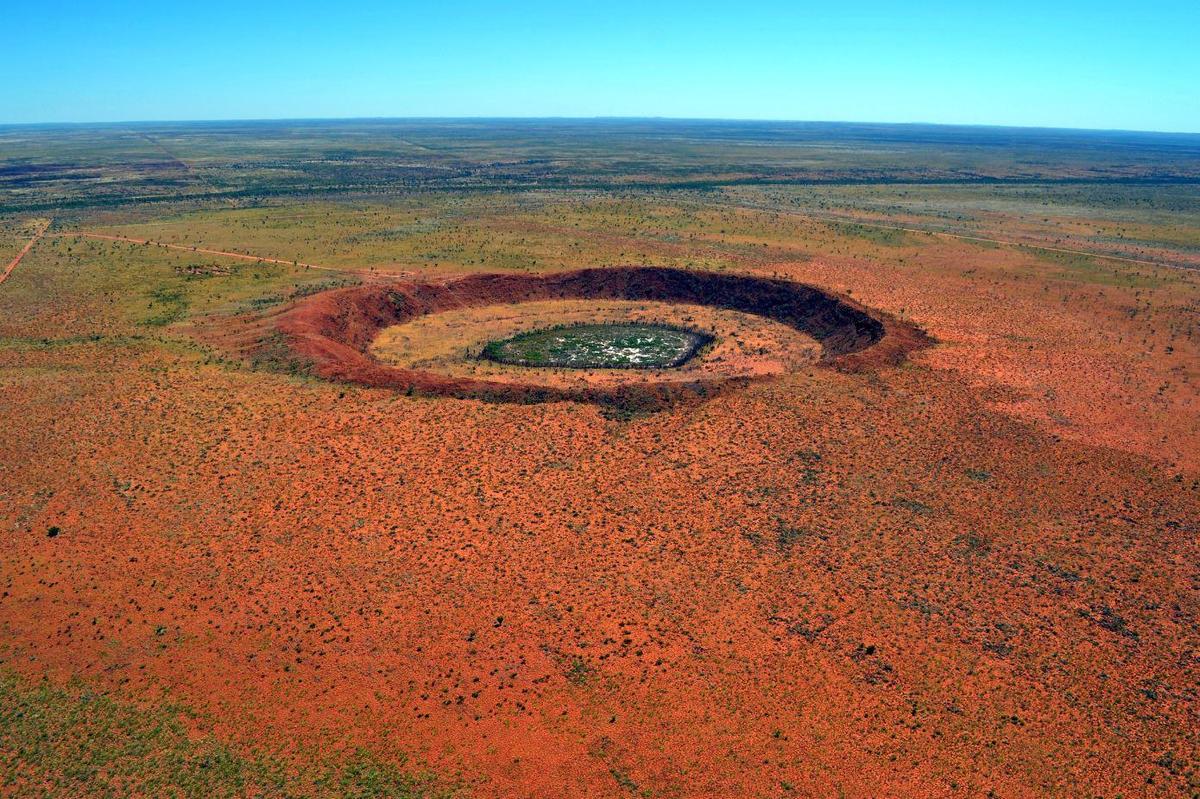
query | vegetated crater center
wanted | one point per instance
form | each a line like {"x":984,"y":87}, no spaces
{"x":621,"y":345}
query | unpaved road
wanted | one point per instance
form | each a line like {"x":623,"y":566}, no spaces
{"x":29,"y":246}
{"x":228,"y":254}
{"x":1030,"y":244}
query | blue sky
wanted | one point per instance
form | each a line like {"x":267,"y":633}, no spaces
{"x":1062,"y":63}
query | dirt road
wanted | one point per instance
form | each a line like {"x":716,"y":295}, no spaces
{"x":1030,"y":244}
{"x":228,"y":254}
{"x":8,"y":270}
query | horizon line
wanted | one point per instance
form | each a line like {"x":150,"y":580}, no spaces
{"x":588,"y":118}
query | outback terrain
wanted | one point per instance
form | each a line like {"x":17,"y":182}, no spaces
{"x":922,"y":519}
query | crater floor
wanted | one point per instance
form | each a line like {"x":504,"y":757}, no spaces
{"x":450,"y":343}
{"x":615,"y":345}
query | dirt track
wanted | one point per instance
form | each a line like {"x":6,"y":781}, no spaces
{"x":29,"y":246}
{"x":1032,"y":244}
{"x":224,"y":253}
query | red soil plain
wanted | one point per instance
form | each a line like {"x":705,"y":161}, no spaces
{"x":964,"y":565}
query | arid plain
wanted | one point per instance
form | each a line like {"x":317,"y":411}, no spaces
{"x":967,"y":569}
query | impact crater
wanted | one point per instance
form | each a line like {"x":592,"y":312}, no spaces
{"x":333,"y":334}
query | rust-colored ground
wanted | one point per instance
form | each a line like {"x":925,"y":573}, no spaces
{"x":970,"y":574}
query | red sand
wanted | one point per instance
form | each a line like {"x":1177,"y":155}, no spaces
{"x":972,"y":573}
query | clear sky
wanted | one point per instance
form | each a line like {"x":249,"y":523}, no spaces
{"x":1063,"y":63}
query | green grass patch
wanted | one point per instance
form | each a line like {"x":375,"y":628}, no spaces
{"x":167,"y":306}
{"x":1097,"y":271}
{"x":70,"y":742}
{"x":886,"y":237}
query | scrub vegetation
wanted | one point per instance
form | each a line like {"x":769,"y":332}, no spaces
{"x":244,"y":554}
{"x":71,"y":741}
{"x":610,"y":346}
